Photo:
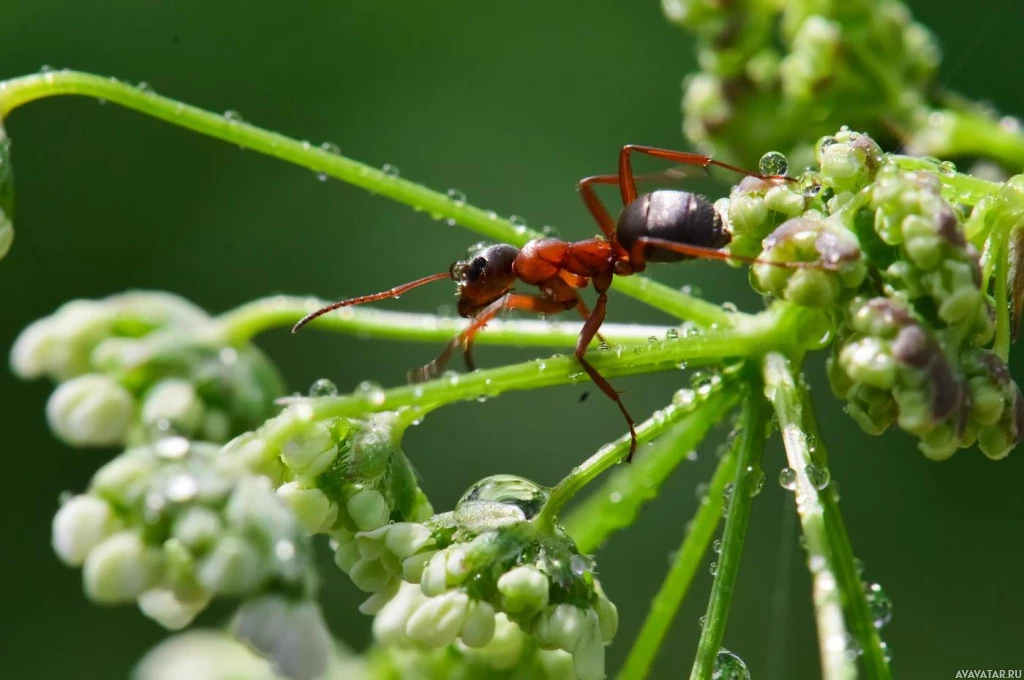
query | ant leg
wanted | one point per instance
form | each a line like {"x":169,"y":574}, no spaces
{"x":508,"y":302}
{"x":596,"y":207}
{"x":627,"y":181}
{"x":586,"y":335}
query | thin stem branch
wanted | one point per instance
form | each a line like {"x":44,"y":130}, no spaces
{"x":677,"y":582}
{"x":616,"y":503}
{"x":746,"y":481}
{"x":958,"y":187}
{"x":819,"y":519}
{"x":282,"y":311}
{"x":19,"y":91}
{"x":1001,"y":271}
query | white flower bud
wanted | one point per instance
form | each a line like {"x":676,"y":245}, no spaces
{"x":390,"y":622}
{"x":368,"y":509}
{"x":524,"y":588}
{"x":233,"y":567}
{"x":201,"y":655}
{"x":405,"y":538}
{"x":120,"y":568}
{"x":176,"y":401}
{"x":90,"y":410}
{"x":291,"y":633}
{"x":559,"y":627}
{"x":34,"y":349}
{"x":310,"y":452}
{"x":79,"y":526}
{"x":437,"y":621}
{"x":478,"y":628}
{"x":6,"y":233}
{"x":607,"y":614}
{"x":505,"y":648}
{"x":312,"y":508}
{"x":346,"y":554}
{"x":162,"y":606}
{"x":434,"y":578}
{"x":370,"y":576}
{"x":126,"y":477}
{"x":588,"y":657}
{"x":376,"y":602}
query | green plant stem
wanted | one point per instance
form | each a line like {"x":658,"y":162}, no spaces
{"x":746,"y":477}
{"x":858,"y":613}
{"x":968,"y":132}
{"x":1004,"y":331}
{"x":776,"y":328}
{"x":958,"y":187}
{"x":615,"y":504}
{"x":832,"y":585}
{"x":282,"y":311}
{"x":677,"y":582}
{"x":19,"y":91}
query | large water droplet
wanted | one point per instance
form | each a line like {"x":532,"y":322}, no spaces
{"x":773,"y":163}
{"x":457,"y":196}
{"x":879,"y":605}
{"x":372,"y":391}
{"x":323,"y":388}
{"x":519,"y":492}
{"x":787,"y":478}
{"x":947,"y":168}
{"x":728,"y":666}
{"x":818,"y":476}
{"x":331,"y":148}
{"x":233,"y":116}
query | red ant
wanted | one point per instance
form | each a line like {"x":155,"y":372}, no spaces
{"x":662,"y":226}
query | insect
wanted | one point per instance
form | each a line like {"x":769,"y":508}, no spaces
{"x":661,"y":226}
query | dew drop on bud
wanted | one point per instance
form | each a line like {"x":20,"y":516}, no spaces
{"x":787,"y":478}
{"x":773,"y":163}
{"x":728,"y":666}
{"x":510,"y":490}
{"x":323,"y":388}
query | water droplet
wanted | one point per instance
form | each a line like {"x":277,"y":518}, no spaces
{"x":323,"y":177}
{"x":818,"y":475}
{"x":691,"y":290}
{"x":714,"y":569}
{"x":548,"y":231}
{"x":233,"y":116}
{"x":323,"y":388}
{"x":579,"y":565}
{"x":451,"y":376}
{"x":331,"y":148}
{"x":457,"y":196}
{"x":371,"y":391}
{"x":754,"y":480}
{"x":702,"y":621}
{"x":171,"y":448}
{"x":509,"y":490}
{"x":182,"y":487}
{"x":615,"y":497}
{"x":518,"y":222}
{"x":787,"y":478}
{"x":717,"y":546}
{"x":45,"y":68}
{"x":730,"y":307}
{"x":773,"y":163}
{"x":886,"y":652}
{"x":879,"y":605}
{"x":701,"y":491}
{"x":672,"y":334}
{"x":145,"y":87}
{"x":728,"y":666}
{"x":947,"y":168}
{"x":390,"y":170}
{"x":541,"y":366}
{"x":603,"y":346}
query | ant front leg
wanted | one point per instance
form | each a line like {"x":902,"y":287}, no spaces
{"x":507,"y":302}
{"x":597,"y":209}
{"x":627,"y":180}
{"x":583,"y":341}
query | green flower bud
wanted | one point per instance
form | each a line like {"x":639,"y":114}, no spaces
{"x":588,"y":656}
{"x":389,"y":626}
{"x":869,"y":360}
{"x":310,"y":452}
{"x":312,"y":508}
{"x":607,"y":614}
{"x":202,"y":655}
{"x":523,"y":589}
{"x":291,"y":633}
{"x":368,"y":509}
{"x":197,"y":528}
{"x":479,"y":625}
{"x":559,"y":627}
{"x":90,"y":410}
{"x":79,"y":526}
{"x":120,"y":569}
{"x":233,"y":567}
{"x":380,"y":598}
{"x":346,"y":552}
{"x":370,"y":576}
{"x":162,"y":606}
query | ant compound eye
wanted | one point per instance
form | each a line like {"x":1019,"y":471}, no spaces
{"x":459,"y":271}
{"x":477,"y":268}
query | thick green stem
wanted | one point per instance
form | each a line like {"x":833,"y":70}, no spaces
{"x":834,"y":574}
{"x":19,"y":91}
{"x":677,"y":582}
{"x":747,"y":480}
{"x":282,"y":311}
{"x":616,"y":503}
{"x":965,"y":131}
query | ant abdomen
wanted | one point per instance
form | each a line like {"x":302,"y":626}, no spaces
{"x":677,"y":216}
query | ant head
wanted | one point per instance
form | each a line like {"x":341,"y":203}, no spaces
{"x":484,"y":277}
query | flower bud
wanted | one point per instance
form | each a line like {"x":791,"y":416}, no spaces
{"x":79,"y":526}
{"x":120,"y":568}
{"x":368,"y":509}
{"x":312,"y":508}
{"x":437,"y":621}
{"x":165,"y":608}
{"x":176,"y":402}
{"x":291,"y":633}
{"x":233,"y":567}
{"x":478,"y":628}
{"x":588,"y":656}
{"x":523,"y":588}
{"x":90,"y":410}
{"x":310,"y":452}
{"x":559,"y":627}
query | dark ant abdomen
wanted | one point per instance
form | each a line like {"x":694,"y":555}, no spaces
{"x":677,"y":216}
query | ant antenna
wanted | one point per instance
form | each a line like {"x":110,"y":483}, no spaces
{"x":394,"y":292}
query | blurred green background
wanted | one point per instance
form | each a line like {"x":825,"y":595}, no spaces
{"x":510,"y":103}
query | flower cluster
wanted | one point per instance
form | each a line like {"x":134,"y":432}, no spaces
{"x":809,"y":66}
{"x":136,"y":367}
{"x":486,"y":565}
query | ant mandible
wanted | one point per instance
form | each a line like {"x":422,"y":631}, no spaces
{"x":662,"y":226}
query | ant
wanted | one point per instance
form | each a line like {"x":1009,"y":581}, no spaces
{"x":661,"y":226}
